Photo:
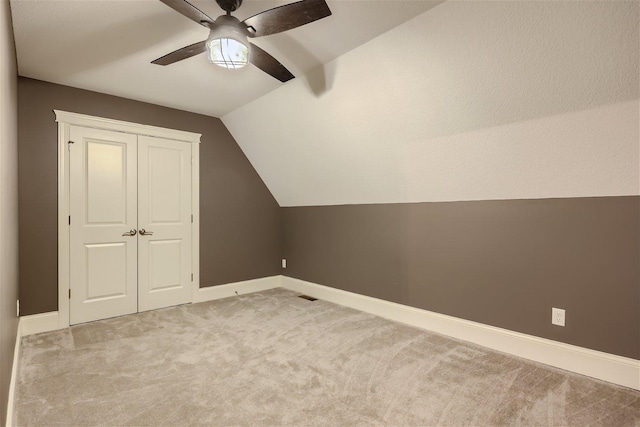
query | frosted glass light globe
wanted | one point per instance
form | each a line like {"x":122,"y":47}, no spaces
{"x":228,"y":52}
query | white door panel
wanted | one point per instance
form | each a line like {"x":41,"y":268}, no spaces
{"x":106,"y":270}
{"x":103,"y":207}
{"x":165,"y":183}
{"x":164,"y":264}
{"x":164,"y":212}
{"x":106,"y":176}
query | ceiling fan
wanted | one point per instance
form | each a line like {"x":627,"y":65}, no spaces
{"x":228,"y":45}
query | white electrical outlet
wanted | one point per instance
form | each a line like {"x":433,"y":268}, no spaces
{"x":557,"y":316}
{"x":284,"y":263}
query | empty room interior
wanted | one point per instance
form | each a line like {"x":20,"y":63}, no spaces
{"x":375,"y":212}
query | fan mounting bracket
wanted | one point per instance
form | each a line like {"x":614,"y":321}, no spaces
{"x":229,"y":5}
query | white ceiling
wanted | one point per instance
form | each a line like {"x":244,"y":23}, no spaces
{"x":395,"y":101}
{"x":472,"y":100}
{"x":107,"y":46}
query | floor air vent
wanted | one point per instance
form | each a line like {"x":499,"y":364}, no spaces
{"x":307,"y":297}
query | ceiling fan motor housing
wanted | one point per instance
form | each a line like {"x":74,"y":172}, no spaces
{"x":229,"y":5}
{"x":228,"y":23}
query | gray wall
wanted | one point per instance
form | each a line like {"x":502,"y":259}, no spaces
{"x":8,"y":203}
{"x":240,"y":229}
{"x":502,"y":263}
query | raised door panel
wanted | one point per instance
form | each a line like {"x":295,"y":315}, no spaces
{"x":106,"y":270}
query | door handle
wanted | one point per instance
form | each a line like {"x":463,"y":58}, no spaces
{"x":144,"y":232}
{"x":131,"y":232}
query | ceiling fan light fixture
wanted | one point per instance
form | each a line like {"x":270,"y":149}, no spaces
{"x":228,"y":53}
{"x":228,"y":48}
{"x":228,"y":42}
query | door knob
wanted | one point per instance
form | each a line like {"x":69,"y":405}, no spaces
{"x":131,"y":232}
{"x":144,"y":232}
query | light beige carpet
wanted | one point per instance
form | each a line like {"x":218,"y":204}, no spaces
{"x":271,"y":358}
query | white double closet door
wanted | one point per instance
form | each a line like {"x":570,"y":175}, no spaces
{"x":130,"y":230}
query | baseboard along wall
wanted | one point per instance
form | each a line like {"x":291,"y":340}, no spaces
{"x":238,"y":288}
{"x":596,"y":364}
{"x":45,"y":322}
{"x":14,"y":376}
{"x":37,"y":323}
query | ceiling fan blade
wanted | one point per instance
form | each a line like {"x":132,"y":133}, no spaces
{"x":269,"y":64}
{"x":190,"y":11}
{"x":283,"y":18}
{"x":180,"y":54}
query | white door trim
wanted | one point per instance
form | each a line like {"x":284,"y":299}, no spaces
{"x":195,"y":229}
{"x":65,"y":120}
{"x":127,"y":127}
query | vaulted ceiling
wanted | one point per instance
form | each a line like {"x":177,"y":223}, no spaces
{"x":471,"y":100}
{"x":394,"y":100}
{"x":108,"y":45}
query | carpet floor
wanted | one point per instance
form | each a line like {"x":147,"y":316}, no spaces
{"x":271,"y":358}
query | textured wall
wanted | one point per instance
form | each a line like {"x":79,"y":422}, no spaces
{"x":503,"y":263}
{"x":468,"y":101}
{"x":239,"y":219}
{"x":8,"y":203}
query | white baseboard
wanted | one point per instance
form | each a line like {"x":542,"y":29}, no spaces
{"x":14,"y":376}
{"x":45,"y":322}
{"x":230,"y":289}
{"x":36,"y":323}
{"x":608,"y":367}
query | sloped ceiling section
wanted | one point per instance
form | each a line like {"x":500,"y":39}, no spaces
{"x":107,"y":46}
{"x":467,"y":101}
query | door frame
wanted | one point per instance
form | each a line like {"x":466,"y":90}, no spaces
{"x":66,"y":119}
